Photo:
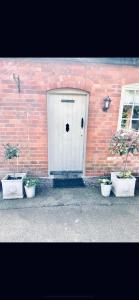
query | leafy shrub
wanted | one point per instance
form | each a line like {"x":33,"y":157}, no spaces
{"x":31,"y":181}
{"x":125,"y":142}
{"x":11,"y":151}
{"x":105,"y":181}
{"x":126,"y":174}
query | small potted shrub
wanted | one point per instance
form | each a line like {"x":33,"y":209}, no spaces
{"x":12,"y":184}
{"x":30,"y":186}
{"x":106,"y":185}
{"x":124,"y":143}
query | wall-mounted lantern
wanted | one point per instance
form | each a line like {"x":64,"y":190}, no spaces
{"x":106,"y":103}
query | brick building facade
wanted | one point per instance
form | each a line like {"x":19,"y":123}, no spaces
{"x":24,"y":118}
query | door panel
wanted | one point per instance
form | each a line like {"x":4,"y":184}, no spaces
{"x":66,"y":131}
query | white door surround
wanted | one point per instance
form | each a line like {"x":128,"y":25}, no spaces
{"x":67,"y":111}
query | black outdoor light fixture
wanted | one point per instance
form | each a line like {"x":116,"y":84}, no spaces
{"x":106,"y":103}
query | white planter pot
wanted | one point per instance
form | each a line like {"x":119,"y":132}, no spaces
{"x":105,"y":189}
{"x":30,"y":191}
{"x":13,"y":189}
{"x":123,"y":187}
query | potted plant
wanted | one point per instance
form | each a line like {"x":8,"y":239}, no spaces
{"x":124,"y":143}
{"x":12,"y":184}
{"x":30,"y":186}
{"x":106,"y":185}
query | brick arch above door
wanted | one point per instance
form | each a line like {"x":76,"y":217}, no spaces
{"x":67,"y":90}
{"x":70,"y":82}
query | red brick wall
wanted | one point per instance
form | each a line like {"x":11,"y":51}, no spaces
{"x":23,"y":117}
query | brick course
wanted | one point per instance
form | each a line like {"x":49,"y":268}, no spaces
{"x":23,"y":117}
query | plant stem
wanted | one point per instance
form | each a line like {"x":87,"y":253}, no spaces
{"x":125,"y":165}
{"x":14,"y":170}
{"x":17,"y":164}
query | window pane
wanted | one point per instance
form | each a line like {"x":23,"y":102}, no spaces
{"x":135,"y":124}
{"x":136,"y":112}
{"x":129,"y":97}
{"x":126,"y":116}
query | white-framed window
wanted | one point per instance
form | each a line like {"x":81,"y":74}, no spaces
{"x":129,"y":107}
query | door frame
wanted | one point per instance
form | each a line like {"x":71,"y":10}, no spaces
{"x":69,"y":91}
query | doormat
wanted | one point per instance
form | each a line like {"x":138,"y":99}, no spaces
{"x":67,"y":183}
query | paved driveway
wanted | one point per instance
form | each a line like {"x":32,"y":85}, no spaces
{"x":88,"y":219}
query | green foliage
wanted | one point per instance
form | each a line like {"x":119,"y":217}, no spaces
{"x":31,"y":181}
{"x":105,"y":181}
{"x":124,"y":175}
{"x":11,"y":151}
{"x":125,"y":142}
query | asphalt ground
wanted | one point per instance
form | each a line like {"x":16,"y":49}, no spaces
{"x":70,"y":215}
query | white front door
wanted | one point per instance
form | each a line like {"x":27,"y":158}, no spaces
{"x":67,"y":120}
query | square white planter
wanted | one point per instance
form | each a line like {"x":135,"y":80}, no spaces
{"x":123,"y":187}
{"x":13,"y":189}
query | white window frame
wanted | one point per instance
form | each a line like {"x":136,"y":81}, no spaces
{"x":134,"y":87}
